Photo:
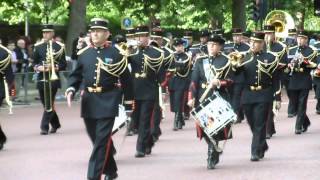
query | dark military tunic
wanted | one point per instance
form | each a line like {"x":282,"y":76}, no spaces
{"x":5,"y":70}
{"x":279,"y":49}
{"x":104,"y":74}
{"x":302,"y":61}
{"x":261,"y":88}
{"x":316,"y":79}
{"x":198,"y":49}
{"x":5,"y":75}
{"x":44,"y":84}
{"x":238,"y":79}
{"x":179,"y":83}
{"x":147,"y":72}
{"x":204,"y":71}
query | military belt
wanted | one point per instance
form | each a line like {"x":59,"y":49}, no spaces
{"x":258,"y":87}
{"x":140,"y":75}
{"x":100,"y":89}
{"x":204,"y":85}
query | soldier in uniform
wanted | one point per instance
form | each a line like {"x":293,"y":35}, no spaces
{"x":6,"y":77}
{"x":201,"y":48}
{"x":146,"y":70}
{"x":46,"y":54}
{"x":210,"y":71}
{"x":104,"y":73}
{"x":290,"y":41}
{"x":278,"y":48}
{"x":246,"y":37}
{"x":316,"y":79}
{"x":157,"y":41}
{"x":238,"y":79}
{"x":188,"y":37}
{"x":301,"y":60}
{"x":260,"y":87}
{"x":178,"y":86}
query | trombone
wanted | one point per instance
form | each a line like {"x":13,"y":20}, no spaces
{"x":49,"y":67}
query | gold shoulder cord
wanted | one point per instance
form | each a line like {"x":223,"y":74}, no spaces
{"x":114,"y":69}
{"x":189,"y":67}
{"x":152,"y":63}
{"x":267,"y":68}
{"x":3,"y":65}
{"x":59,"y":53}
{"x":223,"y":71}
{"x":168,"y":60}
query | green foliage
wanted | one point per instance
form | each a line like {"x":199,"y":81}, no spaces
{"x":181,"y":14}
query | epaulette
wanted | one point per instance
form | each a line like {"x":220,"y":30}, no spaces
{"x":293,"y":47}
{"x":6,"y":49}
{"x":282,"y":44}
{"x":38,"y":43}
{"x":194,"y":45}
{"x":60,"y":43}
{"x":83,"y":50}
{"x":168,"y":49}
{"x":160,"y":50}
{"x":313,"y":48}
{"x":200,"y":57}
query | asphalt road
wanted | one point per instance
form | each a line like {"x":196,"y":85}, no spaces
{"x":178,"y":155}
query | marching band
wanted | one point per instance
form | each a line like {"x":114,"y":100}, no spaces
{"x":139,"y":68}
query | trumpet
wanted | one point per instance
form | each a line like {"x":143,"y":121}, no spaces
{"x":236,"y":57}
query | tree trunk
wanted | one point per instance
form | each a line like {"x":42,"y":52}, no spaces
{"x":77,"y":22}
{"x":239,"y":14}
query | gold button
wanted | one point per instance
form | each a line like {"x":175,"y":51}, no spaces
{"x":94,"y":77}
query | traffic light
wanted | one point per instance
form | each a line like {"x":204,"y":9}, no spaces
{"x":255,"y":10}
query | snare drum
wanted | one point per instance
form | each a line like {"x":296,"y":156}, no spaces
{"x":121,"y":120}
{"x":214,"y":114}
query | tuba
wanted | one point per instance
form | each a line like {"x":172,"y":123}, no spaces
{"x":282,"y":21}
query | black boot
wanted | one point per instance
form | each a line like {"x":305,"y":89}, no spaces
{"x":175,"y":122}
{"x":213,"y":156}
{"x":180,"y":120}
{"x":3,"y":138}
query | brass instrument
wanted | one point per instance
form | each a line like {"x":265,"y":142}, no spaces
{"x":3,"y":65}
{"x":236,"y":57}
{"x":48,"y":66}
{"x":282,"y":21}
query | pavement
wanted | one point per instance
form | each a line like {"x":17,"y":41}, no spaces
{"x":178,"y":155}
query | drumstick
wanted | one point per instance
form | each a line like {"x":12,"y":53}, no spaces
{"x":204,"y":95}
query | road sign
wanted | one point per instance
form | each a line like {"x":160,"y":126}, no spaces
{"x":126,"y":23}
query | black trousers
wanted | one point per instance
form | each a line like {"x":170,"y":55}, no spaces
{"x":101,"y":159}
{"x":156,"y":120}
{"x":292,"y":105}
{"x":3,"y":137}
{"x":301,"y":97}
{"x":236,"y":91}
{"x":317,"y":91}
{"x":48,"y":117}
{"x":257,"y":115}
{"x":270,"y":122}
{"x":134,"y":123}
{"x":145,"y":109}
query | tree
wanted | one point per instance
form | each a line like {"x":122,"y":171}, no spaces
{"x":239,"y":14}
{"x":77,"y":23}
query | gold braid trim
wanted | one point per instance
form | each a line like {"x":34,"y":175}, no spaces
{"x":59,"y":53}
{"x":189,"y":67}
{"x":152,"y":63}
{"x":114,"y":69}
{"x":6,"y":61}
